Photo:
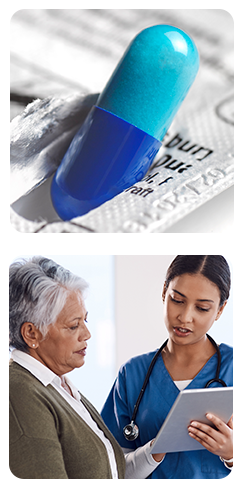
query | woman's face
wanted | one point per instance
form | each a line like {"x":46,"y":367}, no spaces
{"x":191,"y":307}
{"x":64,"y":346}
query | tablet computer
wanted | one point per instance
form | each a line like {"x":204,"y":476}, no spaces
{"x":192,"y":405}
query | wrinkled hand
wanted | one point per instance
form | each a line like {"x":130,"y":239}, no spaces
{"x":220,"y":441}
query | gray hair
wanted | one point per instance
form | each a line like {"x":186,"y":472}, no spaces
{"x":38,"y":289}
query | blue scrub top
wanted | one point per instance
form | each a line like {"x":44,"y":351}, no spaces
{"x":159,"y":396}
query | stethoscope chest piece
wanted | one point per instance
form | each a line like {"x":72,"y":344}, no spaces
{"x":131,"y":431}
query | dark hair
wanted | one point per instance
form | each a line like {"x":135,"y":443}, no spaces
{"x":213,"y":267}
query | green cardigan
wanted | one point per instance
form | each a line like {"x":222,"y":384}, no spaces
{"x":48,"y":439}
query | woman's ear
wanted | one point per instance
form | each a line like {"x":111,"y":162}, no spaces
{"x":164,"y":292}
{"x":31,"y":335}
{"x":220,"y":310}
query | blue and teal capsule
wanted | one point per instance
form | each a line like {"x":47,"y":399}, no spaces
{"x":122,"y":134}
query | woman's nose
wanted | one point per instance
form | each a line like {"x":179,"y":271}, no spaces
{"x":186,"y":315}
{"x":84,"y":334}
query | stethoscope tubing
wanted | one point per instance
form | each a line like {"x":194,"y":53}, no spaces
{"x":131,"y":431}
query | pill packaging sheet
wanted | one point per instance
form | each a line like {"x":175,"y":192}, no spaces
{"x":195,"y":162}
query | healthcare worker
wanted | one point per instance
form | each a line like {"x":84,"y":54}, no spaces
{"x":195,"y":293}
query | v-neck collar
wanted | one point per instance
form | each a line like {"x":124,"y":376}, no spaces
{"x":197,"y":381}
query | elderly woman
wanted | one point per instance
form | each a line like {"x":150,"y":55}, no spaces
{"x":54,"y":431}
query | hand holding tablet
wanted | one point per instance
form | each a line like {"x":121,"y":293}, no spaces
{"x":219,"y":441}
{"x":189,"y":413}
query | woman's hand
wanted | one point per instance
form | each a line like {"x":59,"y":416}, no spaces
{"x":157,"y":457}
{"x":220,"y":441}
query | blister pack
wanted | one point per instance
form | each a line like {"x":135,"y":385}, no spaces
{"x":194,"y":164}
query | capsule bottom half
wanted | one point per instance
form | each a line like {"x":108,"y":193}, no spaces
{"x":105,"y":157}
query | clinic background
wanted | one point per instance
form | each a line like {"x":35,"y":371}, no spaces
{"x":125,"y":314}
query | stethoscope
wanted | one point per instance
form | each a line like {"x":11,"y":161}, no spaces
{"x":131,"y":431}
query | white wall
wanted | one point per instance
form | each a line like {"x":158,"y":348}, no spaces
{"x":138,"y":304}
{"x":139,"y":308}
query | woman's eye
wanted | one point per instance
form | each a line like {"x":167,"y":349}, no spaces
{"x":74,"y":327}
{"x":201,"y":309}
{"x":175,"y":301}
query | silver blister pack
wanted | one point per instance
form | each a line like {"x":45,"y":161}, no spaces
{"x":195,"y":162}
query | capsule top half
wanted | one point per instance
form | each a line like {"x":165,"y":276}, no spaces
{"x":152,"y":79}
